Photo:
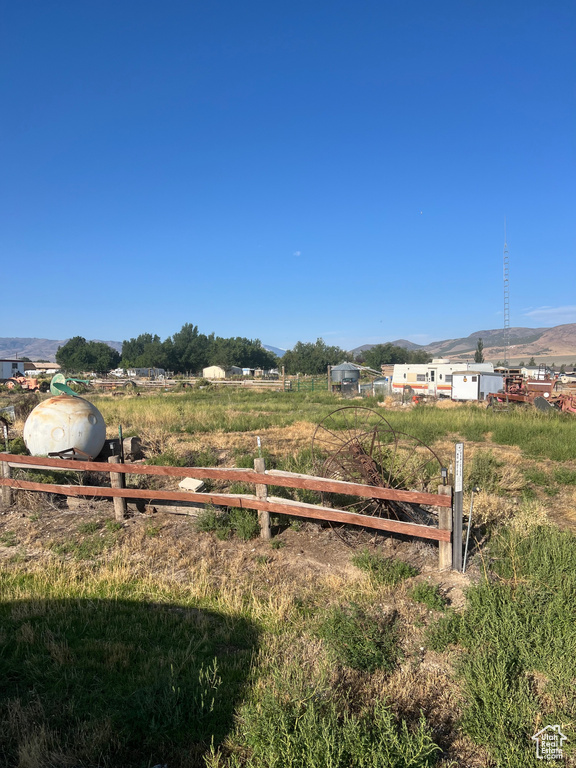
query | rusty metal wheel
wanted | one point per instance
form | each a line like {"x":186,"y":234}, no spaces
{"x":357,"y":444}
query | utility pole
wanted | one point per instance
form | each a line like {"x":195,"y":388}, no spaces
{"x":506,"y":264}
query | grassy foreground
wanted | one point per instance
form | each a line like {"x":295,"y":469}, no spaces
{"x":135,"y":657}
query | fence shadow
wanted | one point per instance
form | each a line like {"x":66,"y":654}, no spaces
{"x":99,"y":682}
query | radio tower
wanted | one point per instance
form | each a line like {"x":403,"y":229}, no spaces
{"x":506,"y":299}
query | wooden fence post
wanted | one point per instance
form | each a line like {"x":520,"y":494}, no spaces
{"x":262,"y":493}
{"x":6,"y":490}
{"x":117,"y":481}
{"x":445,"y":524}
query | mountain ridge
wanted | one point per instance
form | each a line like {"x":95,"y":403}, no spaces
{"x":556,"y":344}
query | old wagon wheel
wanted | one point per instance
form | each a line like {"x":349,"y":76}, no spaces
{"x":357,"y":444}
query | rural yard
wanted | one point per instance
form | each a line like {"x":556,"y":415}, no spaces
{"x":186,"y":640}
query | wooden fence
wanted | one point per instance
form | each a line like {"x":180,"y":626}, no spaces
{"x":260,"y":501}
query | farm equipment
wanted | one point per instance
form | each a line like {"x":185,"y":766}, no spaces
{"x":26,"y":383}
{"x":521,"y":390}
{"x":358,"y":445}
{"x":565,"y":402}
{"x":541,"y":392}
{"x":59,"y":385}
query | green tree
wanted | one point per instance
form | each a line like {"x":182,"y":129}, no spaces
{"x":80,"y":355}
{"x":247,"y":353}
{"x":531,"y":363}
{"x":479,"y":354}
{"x":190,"y":350}
{"x":145,"y":351}
{"x":312,"y":358}
{"x":390,"y":354}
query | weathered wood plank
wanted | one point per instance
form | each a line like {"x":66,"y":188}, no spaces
{"x":245,"y":501}
{"x":275,"y":477}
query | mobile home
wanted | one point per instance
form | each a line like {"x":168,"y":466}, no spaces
{"x":434,"y":379}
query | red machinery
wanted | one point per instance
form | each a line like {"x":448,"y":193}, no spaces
{"x":540,"y":391}
{"x":521,"y":390}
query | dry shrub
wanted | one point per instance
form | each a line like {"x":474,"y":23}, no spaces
{"x":489,"y":508}
{"x":157,"y":439}
{"x":511,"y":478}
{"x":531,"y":513}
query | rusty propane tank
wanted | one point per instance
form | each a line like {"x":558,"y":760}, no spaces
{"x":65,"y":423}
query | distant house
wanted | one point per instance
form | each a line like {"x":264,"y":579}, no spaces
{"x":218,"y":372}
{"x":41,"y":369}
{"x":9,"y":368}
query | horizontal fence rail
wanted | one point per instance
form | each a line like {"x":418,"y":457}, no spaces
{"x":261,"y":502}
{"x":269,"y":477}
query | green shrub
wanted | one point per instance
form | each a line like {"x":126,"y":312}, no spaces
{"x":430,"y":595}
{"x":244,"y":523}
{"x":206,"y":458}
{"x":311,"y":728}
{"x":445,"y":632}
{"x":484,"y":472}
{"x":168,"y":459}
{"x":17,"y":446}
{"x":212,"y":520}
{"x":383,"y":570}
{"x":359,"y":641}
{"x":512,"y":630}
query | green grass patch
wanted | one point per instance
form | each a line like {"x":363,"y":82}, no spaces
{"x":430,"y":595}
{"x":97,"y":680}
{"x":241,"y":522}
{"x":358,"y":640}
{"x":518,"y":635}
{"x":310,"y":733}
{"x":383,"y":570}
{"x":8,"y":539}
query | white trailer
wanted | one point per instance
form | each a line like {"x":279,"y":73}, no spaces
{"x":476,"y":384}
{"x":434,"y":379}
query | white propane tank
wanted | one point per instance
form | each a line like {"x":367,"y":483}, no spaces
{"x":65,"y":422}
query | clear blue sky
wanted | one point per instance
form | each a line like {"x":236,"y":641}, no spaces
{"x":286,"y":170}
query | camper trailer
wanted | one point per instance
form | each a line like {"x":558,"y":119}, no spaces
{"x":433,"y":379}
{"x":475,"y":384}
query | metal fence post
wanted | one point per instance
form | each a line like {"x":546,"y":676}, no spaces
{"x":458,"y":505}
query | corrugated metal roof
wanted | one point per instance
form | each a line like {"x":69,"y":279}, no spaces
{"x":345,"y":367}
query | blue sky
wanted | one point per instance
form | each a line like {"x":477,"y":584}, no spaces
{"x":286,"y":170}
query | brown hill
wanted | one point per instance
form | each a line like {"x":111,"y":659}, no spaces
{"x":546,"y":345}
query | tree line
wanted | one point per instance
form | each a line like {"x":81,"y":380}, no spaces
{"x":189,"y":351}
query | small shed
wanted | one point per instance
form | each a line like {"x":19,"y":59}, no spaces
{"x":476,"y":385}
{"x":9,"y":368}
{"x":218,"y":372}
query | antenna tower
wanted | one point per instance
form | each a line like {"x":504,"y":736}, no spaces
{"x":506,"y":262}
